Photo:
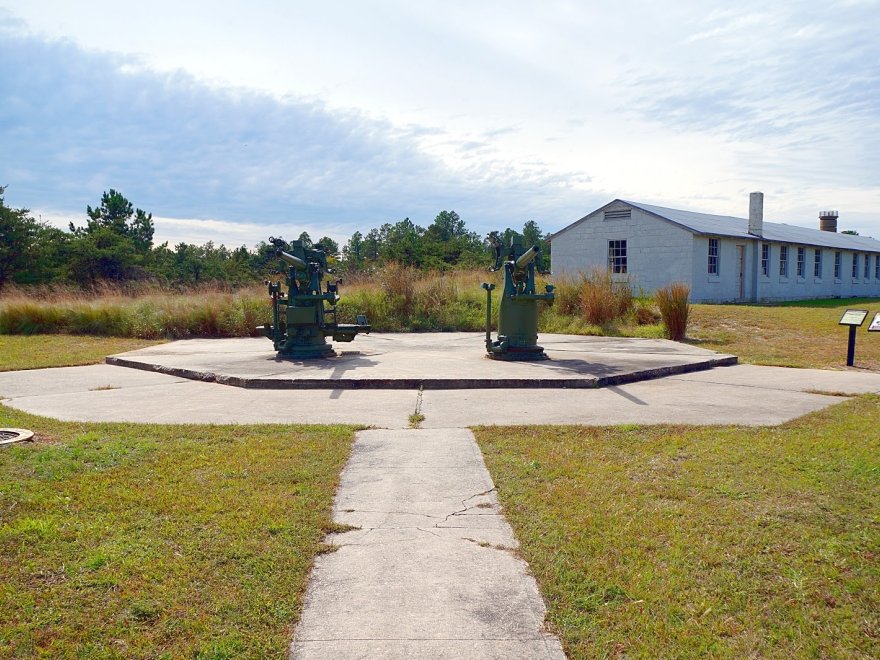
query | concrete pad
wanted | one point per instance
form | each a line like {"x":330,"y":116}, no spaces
{"x":430,"y":573}
{"x":796,"y":380}
{"x":453,"y":360}
{"x":666,"y":401}
{"x":104,"y":393}
{"x":39,"y":382}
{"x":743,"y":394}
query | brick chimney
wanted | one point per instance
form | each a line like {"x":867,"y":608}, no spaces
{"x":756,"y":214}
{"x":828,"y":221}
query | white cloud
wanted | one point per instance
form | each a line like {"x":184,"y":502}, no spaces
{"x":357,"y":113}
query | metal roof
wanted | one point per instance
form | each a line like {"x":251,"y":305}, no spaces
{"x":725,"y":225}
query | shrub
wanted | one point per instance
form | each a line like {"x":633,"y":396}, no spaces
{"x":645,"y":315}
{"x":601,"y":299}
{"x":567,"y":296}
{"x":674,"y":309}
{"x":398,"y":284}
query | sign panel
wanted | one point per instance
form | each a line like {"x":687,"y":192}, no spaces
{"x":853,"y":317}
{"x":875,"y":324}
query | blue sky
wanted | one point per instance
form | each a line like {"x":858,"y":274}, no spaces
{"x":233,"y":121}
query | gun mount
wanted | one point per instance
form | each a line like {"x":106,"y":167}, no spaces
{"x":304,"y":316}
{"x":518,"y":314}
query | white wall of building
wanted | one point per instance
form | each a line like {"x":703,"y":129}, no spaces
{"x":724,"y":287}
{"x":658,"y":252}
{"x":777,"y":287}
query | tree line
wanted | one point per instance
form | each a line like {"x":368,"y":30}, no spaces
{"x":116,"y":245}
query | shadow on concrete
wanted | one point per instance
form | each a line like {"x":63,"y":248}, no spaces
{"x":626,"y":395}
{"x":577,"y":366}
{"x":337,"y":366}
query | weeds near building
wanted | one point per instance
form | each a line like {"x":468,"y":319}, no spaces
{"x":674,"y":309}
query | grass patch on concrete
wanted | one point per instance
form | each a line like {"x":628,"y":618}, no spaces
{"x":124,"y":540}
{"x":41,"y":351}
{"x":672,"y":541}
{"x":796,"y":334}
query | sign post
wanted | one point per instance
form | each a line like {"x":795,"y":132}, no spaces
{"x":854,"y":319}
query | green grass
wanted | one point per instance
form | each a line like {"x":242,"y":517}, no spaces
{"x":127,"y":541}
{"x":832,"y":302}
{"x":41,"y":351}
{"x":665,"y":542}
{"x":799,"y":334}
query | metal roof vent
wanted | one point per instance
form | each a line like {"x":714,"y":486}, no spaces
{"x":828,"y":221}
{"x":618,"y":214}
{"x":10,"y":436}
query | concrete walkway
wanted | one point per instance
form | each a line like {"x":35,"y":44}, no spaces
{"x":430,"y":572}
{"x":741,"y":394}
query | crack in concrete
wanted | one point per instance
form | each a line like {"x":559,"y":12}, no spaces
{"x":465,"y":508}
{"x":486,"y":544}
{"x":394,"y":513}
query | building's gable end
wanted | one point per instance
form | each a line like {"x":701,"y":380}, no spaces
{"x":612,"y":205}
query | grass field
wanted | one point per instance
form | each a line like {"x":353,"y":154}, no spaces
{"x":41,"y":351}
{"x":136,"y":541}
{"x":802,"y":334}
{"x":662,"y":542}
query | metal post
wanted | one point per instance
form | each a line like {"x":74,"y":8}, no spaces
{"x":851,"y":347}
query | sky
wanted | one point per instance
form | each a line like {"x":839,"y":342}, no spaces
{"x":234,"y":121}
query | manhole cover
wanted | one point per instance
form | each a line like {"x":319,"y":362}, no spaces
{"x":8,"y":436}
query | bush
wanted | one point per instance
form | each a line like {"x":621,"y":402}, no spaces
{"x":674,"y":309}
{"x":645,"y":315}
{"x":567,"y":296}
{"x":398,"y":284}
{"x":602,"y":300}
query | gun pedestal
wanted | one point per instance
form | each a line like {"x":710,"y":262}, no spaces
{"x":518,"y":313}
{"x":304,"y":316}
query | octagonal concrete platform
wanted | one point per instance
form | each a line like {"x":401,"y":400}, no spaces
{"x":425,"y":360}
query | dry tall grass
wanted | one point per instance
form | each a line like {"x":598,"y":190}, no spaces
{"x":595,"y":296}
{"x":674,"y":309}
{"x":153,"y":315}
{"x":396,"y":299}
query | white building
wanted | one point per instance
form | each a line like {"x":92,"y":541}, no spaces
{"x":722,"y":258}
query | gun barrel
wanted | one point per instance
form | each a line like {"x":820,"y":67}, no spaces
{"x":527,"y":257}
{"x":291,"y":260}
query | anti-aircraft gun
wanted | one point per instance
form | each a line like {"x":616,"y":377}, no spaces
{"x":518,"y":315}
{"x":304,"y":315}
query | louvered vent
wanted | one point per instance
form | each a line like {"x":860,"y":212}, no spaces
{"x":619,"y":214}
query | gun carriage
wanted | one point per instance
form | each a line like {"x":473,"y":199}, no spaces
{"x":518,"y":313}
{"x":304,"y":316}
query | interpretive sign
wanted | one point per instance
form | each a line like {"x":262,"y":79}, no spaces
{"x":853,"y":317}
{"x":875,"y":324}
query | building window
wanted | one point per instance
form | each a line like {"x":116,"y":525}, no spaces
{"x":783,"y":261}
{"x":817,"y":263}
{"x":713,"y":256}
{"x":617,"y":256}
{"x":837,"y":265}
{"x":877,"y":266}
{"x":802,"y":262}
{"x":765,"y":259}
{"x":867,"y":266}
{"x":855,"y":273}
